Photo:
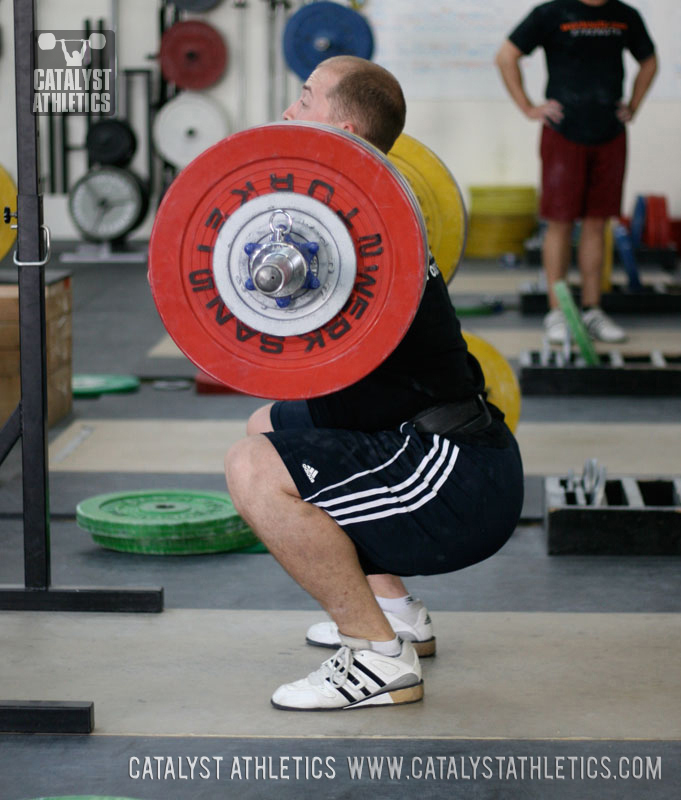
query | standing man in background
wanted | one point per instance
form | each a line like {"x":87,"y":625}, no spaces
{"x":583,"y":141}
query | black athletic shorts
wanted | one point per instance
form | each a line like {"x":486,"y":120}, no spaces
{"x":412,"y":503}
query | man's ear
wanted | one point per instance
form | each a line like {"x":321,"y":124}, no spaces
{"x":348,"y":126}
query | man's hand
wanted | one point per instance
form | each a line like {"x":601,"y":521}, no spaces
{"x":550,"y":111}
{"x":624,"y":112}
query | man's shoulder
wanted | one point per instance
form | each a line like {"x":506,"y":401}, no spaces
{"x":551,"y":6}
{"x":619,"y":9}
{"x":625,"y":8}
{"x":550,"y":10}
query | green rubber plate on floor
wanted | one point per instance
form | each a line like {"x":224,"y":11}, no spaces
{"x":94,"y":385}
{"x":258,"y":547}
{"x":574,"y":321}
{"x":165,"y":522}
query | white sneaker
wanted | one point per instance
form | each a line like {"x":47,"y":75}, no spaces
{"x":601,"y":327}
{"x":355,"y":677}
{"x":555,"y":326}
{"x":325,"y":634}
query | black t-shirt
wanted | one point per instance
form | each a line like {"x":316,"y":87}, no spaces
{"x":583,"y":46}
{"x":430,"y":365}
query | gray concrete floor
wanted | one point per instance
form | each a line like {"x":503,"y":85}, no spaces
{"x":541,"y":660}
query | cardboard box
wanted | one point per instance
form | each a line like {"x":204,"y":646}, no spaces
{"x":59,"y":345}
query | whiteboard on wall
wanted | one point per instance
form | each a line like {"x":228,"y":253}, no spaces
{"x":444,"y":49}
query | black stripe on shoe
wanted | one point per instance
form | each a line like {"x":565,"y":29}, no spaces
{"x":355,"y":681}
{"x":345,"y":694}
{"x":368,"y":673}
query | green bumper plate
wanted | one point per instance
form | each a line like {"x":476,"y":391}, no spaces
{"x":165,"y":522}
{"x":95,"y":385}
{"x":258,"y":547}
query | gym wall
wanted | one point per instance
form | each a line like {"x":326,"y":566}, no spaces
{"x":459,"y":110}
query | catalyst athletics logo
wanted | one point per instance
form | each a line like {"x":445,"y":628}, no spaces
{"x":74,"y":73}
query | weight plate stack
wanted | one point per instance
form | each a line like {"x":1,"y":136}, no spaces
{"x":165,"y":522}
{"x":501,"y":219}
{"x":111,"y":142}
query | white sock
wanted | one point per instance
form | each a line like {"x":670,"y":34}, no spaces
{"x":406,"y":608}
{"x":390,"y":648}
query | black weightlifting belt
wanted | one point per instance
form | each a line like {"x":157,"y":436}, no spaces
{"x":465,"y":416}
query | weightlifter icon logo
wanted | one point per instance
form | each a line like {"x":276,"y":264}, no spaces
{"x":74,"y":73}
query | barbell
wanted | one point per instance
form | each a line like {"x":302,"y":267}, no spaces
{"x":48,"y":41}
{"x":288,"y":260}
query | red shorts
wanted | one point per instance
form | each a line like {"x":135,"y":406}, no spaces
{"x":581,"y":180}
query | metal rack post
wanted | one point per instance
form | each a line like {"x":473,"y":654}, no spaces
{"x":28,"y":422}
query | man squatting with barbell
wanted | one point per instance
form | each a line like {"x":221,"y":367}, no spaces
{"x":407,"y":472}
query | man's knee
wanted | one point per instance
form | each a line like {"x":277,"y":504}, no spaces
{"x":560,"y":227}
{"x":593,"y":224}
{"x":240,"y":469}
{"x":253,"y":467}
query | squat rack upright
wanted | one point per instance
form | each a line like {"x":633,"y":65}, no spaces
{"x":28,"y":422}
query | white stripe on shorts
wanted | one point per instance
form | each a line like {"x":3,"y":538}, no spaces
{"x":398,"y":502}
{"x":361,"y":474}
{"x":383,"y":489}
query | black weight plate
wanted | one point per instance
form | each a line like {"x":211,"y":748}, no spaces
{"x":321,"y":30}
{"x":111,"y":142}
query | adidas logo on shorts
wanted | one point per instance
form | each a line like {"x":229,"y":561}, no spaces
{"x":311,"y":472}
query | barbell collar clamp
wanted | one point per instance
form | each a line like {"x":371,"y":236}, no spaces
{"x":278,"y":269}
{"x":280,"y":231}
{"x":281,"y":267}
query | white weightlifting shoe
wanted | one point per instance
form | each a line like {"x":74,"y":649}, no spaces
{"x":325,"y":634}
{"x":555,"y":326}
{"x":355,"y":677}
{"x":601,"y":327}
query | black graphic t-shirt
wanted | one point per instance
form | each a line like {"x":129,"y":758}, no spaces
{"x":583,"y":46}
{"x":430,"y":365}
